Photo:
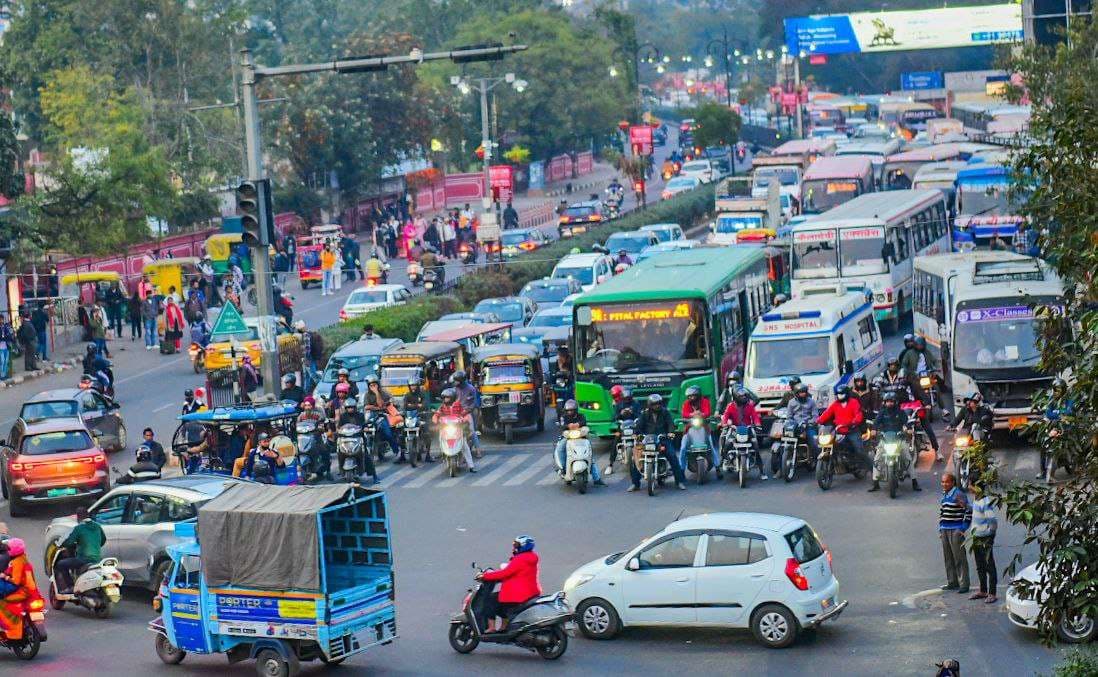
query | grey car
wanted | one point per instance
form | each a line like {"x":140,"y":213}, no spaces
{"x":100,"y":414}
{"x":139,"y":521}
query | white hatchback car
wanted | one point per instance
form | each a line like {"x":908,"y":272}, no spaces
{"x":365,"y":299}
{"x":1024,"y":612}
{"x":702,"y":170}
{"x":766,"y":572}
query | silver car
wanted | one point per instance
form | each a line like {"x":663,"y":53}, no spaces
{"x":139,"y":521}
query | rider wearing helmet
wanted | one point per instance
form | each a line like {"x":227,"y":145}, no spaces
{"x":846,"y":414}
{"x":742,"y":412}
{"x":733,"y":382}
{"x":190,"y":404}
{"x":469,"y":397}
{"x":572,"y":419}
{"x":623,"y":258}
{"x":291,"y":390}
{"x":451,"y":406}
{"x":200,"y":329}
{"x":519,"y":582}
{"x":656,"y":420}
{"x":350,"y":414}
{"x":801,"y":409}
{"x":787,"y":396}
{"x":698,"y":404}
{"x":891,"y":419}
{"x":343,"y":376}
{"x":860,"y":389}
{"x":144,"y":469}
{"x":918,"y":361}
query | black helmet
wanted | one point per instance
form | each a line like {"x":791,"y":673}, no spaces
{"x":693,"y":391}
{"x":736,"y":374}
{"x":740,"y":395}
{"x":890,"y":396}
{"x":655,"y":399}
{"x":199,"y":316}
{"x":1059,"y":384}
{"x":571,"y":405}
{"x":92,"y":348}
{"x":842,"y":392}
{"x":794,"y":382}
{"x":263,"y":437}
{"x":143,"y":453}
{"x":188,"y":393}
{"x":908,"y":338}
{"x":459,"y":376}
{"x":860,"y":376}
{"x":801,"y":389}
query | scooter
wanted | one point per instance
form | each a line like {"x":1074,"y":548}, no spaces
{"x":452,"y":442}
{"x":308,"y":439}
{"x":697,"y":448}
{"x":653,"y":466}
{"x":415,"y":274}
{"x":33,"y":615}
{"x":738,"y":452}
{"x":98,"y":587}
{"x":413,"y":437}
{"x":542,"y":624}
{"x":894,"y":461}
{"x":790,"y":449}
{"x":577,"y":459}
{"x":197,"y":354}
{"x":430,"y":280}
{"x":349,"y":450}
{"x":831,"y":462}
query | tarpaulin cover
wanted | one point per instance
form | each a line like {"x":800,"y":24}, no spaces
{"x":265,"y":536}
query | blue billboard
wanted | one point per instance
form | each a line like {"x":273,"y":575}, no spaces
{"x":922,"y":80}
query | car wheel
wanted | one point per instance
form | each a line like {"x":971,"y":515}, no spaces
{"x":774,"y":626}
{"x":159,"y":573}
{"x":598,"y":619}
{"x":1077,"y":632}
{"x":16,"y":508}
{"x":121,"y":438}
{"x":168,"y":652}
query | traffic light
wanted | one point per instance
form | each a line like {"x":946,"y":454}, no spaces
{"x":253,"y":201}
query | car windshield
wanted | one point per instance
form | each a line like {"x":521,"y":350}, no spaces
{"x":764,"y":175}
{"x":788,"y":357}
{"x":681,"y":182}
{"x":985,"y":199}
{"x":499,"y":374}
{"x":400,"y":376}
{"x":585,"y":275}
{"x":507,"y":311}
{"x":861,"y":251}
{"x":997,"y":337}
{"x":55,"y":409}
{"x":367,"y":296}
{"x":695,"y":167}
{"x":643,"y":337}
{"x":815,"y":255}
{"x":515,"y":237}
{"x":663,"y":234}
{"x":633,"y":244}
{"x":550,"y":293}
{"x":359,"y":366}
{"x":56,"y":442}
{"x":804,"y":545}
{"x":579,"y":211}
{"x":734,"y":223}
{"x":551,"y":320}
{"x":823,"y":194}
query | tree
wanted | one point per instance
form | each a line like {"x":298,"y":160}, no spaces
{"x":715,"y":124}
{"x":1057,"y":174}
{"x":11,"y":179}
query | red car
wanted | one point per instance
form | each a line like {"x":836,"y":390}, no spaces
{"x":52,"y":461}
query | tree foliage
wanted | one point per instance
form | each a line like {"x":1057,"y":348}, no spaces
{"x":715,"y":124}
{"x":1058,"y":174}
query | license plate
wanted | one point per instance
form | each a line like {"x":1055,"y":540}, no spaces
{"x":1018,"y":421}
{"x":514,"y":398}
{"x":37,"y":616}
{"x":63,"y":491}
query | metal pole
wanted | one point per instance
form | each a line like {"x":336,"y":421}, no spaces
{"x":261,"y":263}
{"x":486,"y":144}
{"x":797,"y":92}
{"x":727,"y":69}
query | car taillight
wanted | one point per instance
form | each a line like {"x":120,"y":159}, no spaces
{"x":793,"y":573}
{"x":18,"y":467}
{"x":99,"y":459}
{"x":528,"y":246}
{"x":828,"y":551}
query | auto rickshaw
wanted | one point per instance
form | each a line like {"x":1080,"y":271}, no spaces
{"x":429,"y":363}
{"x":475,"y":335}
{"x":558,"y":385}
{"x":90,"y":285}
{"x":167,"y":273}
{"x":221,"y":246}
{"x":277,"y":419}
{"x":510,"y":380}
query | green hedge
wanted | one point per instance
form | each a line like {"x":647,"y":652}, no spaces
{"x":404,"y":322}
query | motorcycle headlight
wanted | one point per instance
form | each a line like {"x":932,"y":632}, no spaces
{"x":649,"y":447}
{"x":924,"y":381}
{"x":450,"y":429}
{"x":627,"y":431}
{"x":892,"y":449}
{"x":962,"y":441}
{"x":561,"y":383}
{"x":697,"y":421}
{"x":740,"y":437}
{"x":576,"y":580}
{"x":826,"y":439}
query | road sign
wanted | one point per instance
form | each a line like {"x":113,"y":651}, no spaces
{"x":502,"y":178}
{"x":488,"y":229}
{"x":640,"y":137}
{"x":229,"y":321}
{"x":921,"y":80}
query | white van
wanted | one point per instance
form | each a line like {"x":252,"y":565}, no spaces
{"x":823,"y":336}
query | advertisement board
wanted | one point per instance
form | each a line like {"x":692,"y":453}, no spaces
{"x":503,"y":182}
{"x":921,"y":80}
{"x":896,"y":31}
{"x":640,"y":137}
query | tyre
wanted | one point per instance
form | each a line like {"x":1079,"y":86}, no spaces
{"x":168,"y":652}
{"x":825,"y":473}
{"x":160,"y":572}
{"x":893,"y":484}
{"x":413,"y":453}
{"x":16,"y":507}
{"x":1078,"y":632}
{"x":557,"y":646}
{"x":581,"y":482}
{"x":508,"y":433}
{"x":103,"y":609}
{"x":28,"y":648}
{"x":774,"y":626}
{"x":199,"y":364}
{"x":462,"y":639}
{"x":598,"y":619}
{"x":268,"y":663}
{"x":789,"y":464}
{"x":55,"y":604}
{"x":47,"y":558}
{"x":122,"y":439}
{"x":777,"y":453}
{"x":650,"y":480}
{"x":702,"y":470}
{"x":452,"y":465}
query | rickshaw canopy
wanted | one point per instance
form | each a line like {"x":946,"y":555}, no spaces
{"x":243,"y":413}
{"x":153,"y":267}
{"x":506,"y":351}
{"x":91,"y":276}
{"x":471,"y":331}
{"x":424,"y":351}
{"x":219,"y":245}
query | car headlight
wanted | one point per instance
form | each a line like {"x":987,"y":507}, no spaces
{"x":825,"y":440}
{"x":576,"y":580}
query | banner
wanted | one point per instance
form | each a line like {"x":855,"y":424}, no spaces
{"x":896,"y":31}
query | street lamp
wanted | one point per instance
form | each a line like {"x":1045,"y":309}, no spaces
{"x":721,"y":48}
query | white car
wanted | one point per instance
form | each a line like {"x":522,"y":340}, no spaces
{"x":1024,"y":612}
{"x":365,"y":299}
{"x":702,"y":170}
{"x":766,"y":572}
{"x":588,"y":269}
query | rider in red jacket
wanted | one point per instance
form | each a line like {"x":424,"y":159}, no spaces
{"x":845,"y":412}
{"x":519,"y":581}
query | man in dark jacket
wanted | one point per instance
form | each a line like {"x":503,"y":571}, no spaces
{"x":28,"y":338}
{"x":41,"y":321}
{"x":892,"y":419}
{"x":656,"y":420}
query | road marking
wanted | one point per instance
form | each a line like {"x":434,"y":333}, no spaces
{"x":429,"y":474}
{"x":911,"y":601}
{"x":537,"y":466}
{"x":504,"y":468}
{"x":481,"y":464}
{"x":550,"y":478}
{"x":162,"y":407}
{"x":393,"y":477}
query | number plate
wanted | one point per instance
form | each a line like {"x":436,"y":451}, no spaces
{"x":64,"y":491}
{"x":1018,"y":421}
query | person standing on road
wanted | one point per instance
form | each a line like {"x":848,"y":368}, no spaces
{"x":174,"y":323}
{"x":510,"y":216}
{"x":289,"y":244}
{"x":7,"y":340}
{"x":133,"y":314}
{"x":954,"y":517}
{"x":984,"y":526}
{"x":149,"y":313}
{"x":98,"y":328}
{"x":337,"y":266}
{"x":449,"y":237}
{"x":249,"y":379}
{"x":327,"y":261}
{"x":116,"y":301}
{"x":40,"y":318}
{"x":280,"y":268}
{"x":28,"y":339}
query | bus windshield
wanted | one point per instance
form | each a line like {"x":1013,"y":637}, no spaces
{"x":861,"y":251}
{"x":815,"y":255}
{"x":734,"y":223}
{"x":642,"y":337}
{"x":787,"y":176}
{"x":997,"y":337}
{"x":823,"y":194}
{"x":788,"y":357}
{"x":980,"y":199}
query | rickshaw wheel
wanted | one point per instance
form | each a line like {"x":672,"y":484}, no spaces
{"x":541,"y":422}
{"x":168,"y":652}
{"x":508,"y":433}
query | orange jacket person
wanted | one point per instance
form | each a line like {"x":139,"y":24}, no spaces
{"x":20,"y":573}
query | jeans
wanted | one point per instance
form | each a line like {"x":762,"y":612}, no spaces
{"x":953,"y":554}
{"x":101,"y":344}
{"x":135,"y":326}
{"x":929,"y":430}
{"x":714,"y":457}
{"x":326,"y":282}
{"x":114,"y":321}
{"x":150,"y":332}
{"x":386,"y":432}
{"x":983,"y":552}
{"x":560,"y":453}
{"x":676,"y":469}
{"x":43,"y":346}
{"x":858,"y":450}
{"x":65,"y":570}
{"x":5,"y":362}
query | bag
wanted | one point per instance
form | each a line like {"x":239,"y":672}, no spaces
{"x":167,"y":346}
{"x":395,"y":417}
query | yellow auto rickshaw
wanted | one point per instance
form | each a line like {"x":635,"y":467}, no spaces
{"x":510,"y":379}
{"x":167,"y":273}
{"x":222,"y":246}
{"x":90,"y":285}
{"x":430,"y":364}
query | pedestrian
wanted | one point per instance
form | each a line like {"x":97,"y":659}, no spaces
{"x":352,"y":254}
{"x":150,"y":310}
{"x":984,"y":526}
{"x":174,"y":322}
{"x":133,"y":313}
{"x":289,"y":244}
{"x":449,"y":236}
{"x":337,"y":266}
{"x":98,"y":323}
{"x":410,"y":236}
{"x":431,"y":235}
{"x":327,"y":261}
{"x":7,"y":342}
{"x":510,"y":216}
{"x":392,"y":240}
{"x":116,"y":303}
{"x":954,"y":518}
{"x":145,"y":288}
{"x":196,"y":302}
{"x":280,"y":268}
{"x":40,"y":318}
{"x":27,"y":338}
{"x":248,"y":378}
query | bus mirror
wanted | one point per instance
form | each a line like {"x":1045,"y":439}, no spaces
{"x":583,"y":316}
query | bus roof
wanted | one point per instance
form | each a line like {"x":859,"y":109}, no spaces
{"x":947,"y":264}
{"x":875,"y":207}
{"x":697,"y":273}
{"x":839,"y":167}
{"x":993,"y":274}
{"x":803,"y":146}
{"x":983,"y":170}
{"x":940,"y":170}
{"x":812,"y":314}
{"x":882,"y":148}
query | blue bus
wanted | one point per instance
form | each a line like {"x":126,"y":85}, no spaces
{"x":986,"y":214}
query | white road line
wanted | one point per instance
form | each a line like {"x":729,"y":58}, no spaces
{"x":539,"y":464}
{"x":162,"y":407}
{"x":482,"y":463}
{"x":501,"y":470}
{"x":388,"y":480}
{"x":550,"y":478}
{"x":429,"y":474}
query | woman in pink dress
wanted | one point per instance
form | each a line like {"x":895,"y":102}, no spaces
{"x":409,"y":238}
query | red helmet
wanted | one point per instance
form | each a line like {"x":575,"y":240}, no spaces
{"x":616,"y":393}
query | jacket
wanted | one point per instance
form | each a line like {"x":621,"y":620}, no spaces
{"x":89,"y":539}
{"x":890,"y":420}
{"x":703,"y":407}
{"x":748,"y":415}
{"x":655,"y":424}
{"x":909,"y":365}
{"x":846,"y":415}
{"x":801,"y":412}
{"x":519,"y":579}
{"x":981,"y":417}
{"x":327,"y":259}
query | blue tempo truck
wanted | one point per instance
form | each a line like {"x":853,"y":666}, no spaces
{"x":280,"y":574}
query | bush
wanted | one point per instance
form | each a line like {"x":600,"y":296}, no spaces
{"x":483,"y":284}
{"x":402,"y":322}
{"x":1078,"y":663}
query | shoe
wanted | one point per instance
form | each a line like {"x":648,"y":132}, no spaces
{"x":632,"y":488}
{"x":680,"y":486}
{"x":763,"y":476}
{"x":876,"y":486}
{"x":915,"y":485}
{"x":600,"y":483}
{"x":991,"y":599}
{"x":473,"y":471}
{"x":977,"y":595}
{"x":962,"y":591}
{"x":949,"y":586}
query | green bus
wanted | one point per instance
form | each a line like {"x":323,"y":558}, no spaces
{"x":670,"y":322}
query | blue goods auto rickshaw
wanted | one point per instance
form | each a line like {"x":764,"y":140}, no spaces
{"x":280,"y":575}
{"x":217,"y":433}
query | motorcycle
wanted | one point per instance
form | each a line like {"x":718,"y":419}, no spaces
{"x":790,"y":449}
{"x":916,"y":419}
{"x":962,"y":466}
{"x":98,"y":587}
{"x":577,"y":459}
{"x":431,"y":280}
{"x":894,"y":463}
{"x":375,"y":445}
{"x":697,"y":448}
{"x":33,"y":615}
{"x":308,"y":439}
{"x":738,"y":452}
{"x":415,"y":274}
{"x":542,"y":624}
{"x":627,"y":438}
{"x":930,"y":385}
{"x":349,"y":450}
{"x":452,"y":443}
{"x":1052,"y":460}
{"x":835,"y":457}
{"x":654,"y":467}
{"x":197,"y":354}
{"x":413,"y":437}
{"x":467,"y":253}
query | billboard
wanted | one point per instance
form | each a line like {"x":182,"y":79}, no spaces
{"x":921,"y":80}
{"x":896,"y":31}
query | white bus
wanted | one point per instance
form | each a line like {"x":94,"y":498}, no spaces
{"x":871,"y":240}
{"x":974,"y":309}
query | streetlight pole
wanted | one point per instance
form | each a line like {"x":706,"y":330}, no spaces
{"x":725,"y":49}
{"x":251,"y":74}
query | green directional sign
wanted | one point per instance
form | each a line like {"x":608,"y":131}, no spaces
{"x":229,"y":321}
